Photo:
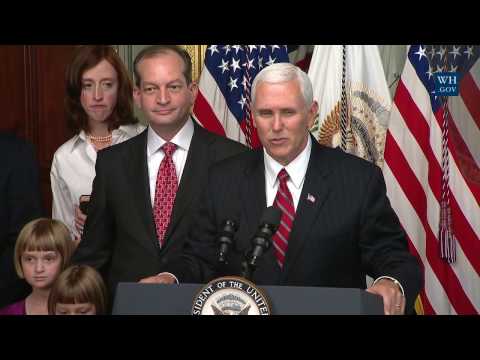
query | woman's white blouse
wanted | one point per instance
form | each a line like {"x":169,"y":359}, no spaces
{"x":73,"y":171}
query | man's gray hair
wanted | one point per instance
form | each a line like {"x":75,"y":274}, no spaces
{"x":283,"y":72}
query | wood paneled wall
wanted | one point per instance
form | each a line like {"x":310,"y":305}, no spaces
{"x":31,"y":100}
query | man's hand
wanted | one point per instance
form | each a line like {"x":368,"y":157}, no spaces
{"x":162,"y":278}
{"x":80,"y":219}
{"x":393,"y":300}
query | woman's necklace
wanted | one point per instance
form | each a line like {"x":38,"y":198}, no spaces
{"x":100,"y":142}
{"x":102,"y":139}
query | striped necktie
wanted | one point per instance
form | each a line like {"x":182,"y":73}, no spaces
{"x":283,"y":201}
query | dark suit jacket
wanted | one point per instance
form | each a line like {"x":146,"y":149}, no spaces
{"x":20,"y":202}
{"x":349,"y":230}
{"x":119,"y":236}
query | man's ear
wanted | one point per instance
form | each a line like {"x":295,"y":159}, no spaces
{"x":312,"y":114}
{"x":193,"y":87}
{"x":136,"y":97}
{"x":254,"y":122}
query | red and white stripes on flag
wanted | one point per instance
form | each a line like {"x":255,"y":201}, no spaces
{"x":301,"y":55}
{"x":413,"y":172}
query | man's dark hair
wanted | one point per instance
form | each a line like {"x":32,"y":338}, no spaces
{"x":154,"y":50}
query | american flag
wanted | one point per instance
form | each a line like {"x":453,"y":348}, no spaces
{"x":432,"y":160}
{"x":301,"y":55}
{"x":223,"y":102}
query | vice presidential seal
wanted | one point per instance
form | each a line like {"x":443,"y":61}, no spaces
{"x":230,"y":296}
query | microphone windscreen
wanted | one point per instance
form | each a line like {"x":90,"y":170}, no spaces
{"x":271,"y":215}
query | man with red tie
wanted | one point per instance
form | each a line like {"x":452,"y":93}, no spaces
{"x":147,"y":189}
{"x":336,"y":224}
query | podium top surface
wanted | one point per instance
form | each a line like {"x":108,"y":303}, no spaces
{"x":158,"y":299}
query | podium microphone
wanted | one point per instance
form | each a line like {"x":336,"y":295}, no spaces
{"x":225,"y":239}
{"x":262,"y":239}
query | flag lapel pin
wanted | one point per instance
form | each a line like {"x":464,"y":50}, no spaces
{"x":311,"y":198}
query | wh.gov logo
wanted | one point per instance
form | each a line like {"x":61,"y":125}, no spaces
{"x":446,"y":83}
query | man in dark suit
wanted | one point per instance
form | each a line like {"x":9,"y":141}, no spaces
{"x":20,"y":202}
{"x":146,"y":189}
{"x":337,"y":224}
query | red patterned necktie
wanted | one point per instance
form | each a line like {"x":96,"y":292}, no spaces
{"x":165,"y":191}
{"x":284,"y":202}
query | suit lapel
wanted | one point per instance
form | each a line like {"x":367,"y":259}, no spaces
{"x":254,"y":191}
{"x":192,"y":180}
{"x":314,"y":193}
{"x":138,"y":172}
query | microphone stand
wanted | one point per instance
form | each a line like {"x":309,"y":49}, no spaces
{"x":247,"y":269}
{"x":261,"y":243}
{"x":226,"y":242}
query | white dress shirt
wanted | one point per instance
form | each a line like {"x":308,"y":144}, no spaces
{"x":73,"y":171}
{"x":296,"y":170}
{"x":155,"y":154}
